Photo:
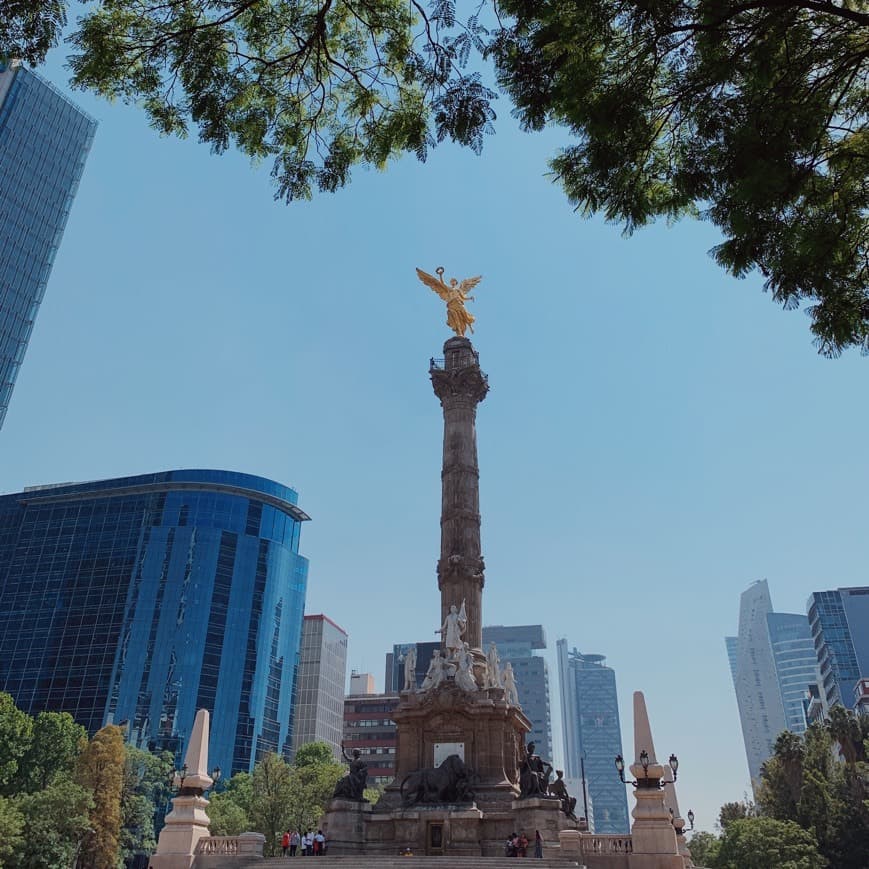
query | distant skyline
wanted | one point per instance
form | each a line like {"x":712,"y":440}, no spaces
{"x":657,"y":436}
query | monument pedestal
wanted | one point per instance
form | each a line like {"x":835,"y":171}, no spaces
{"x":481,"y":727}
{"x":345,"y":821}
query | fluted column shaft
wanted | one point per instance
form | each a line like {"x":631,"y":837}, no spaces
{"x":460,"y":385}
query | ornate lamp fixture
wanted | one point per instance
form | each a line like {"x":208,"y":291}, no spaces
{"x":691,"y":818}
{"x":645,"y":762}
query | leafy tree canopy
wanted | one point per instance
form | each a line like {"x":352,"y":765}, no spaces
{"x":314,"y":753}
{"x":56,"y":742}
{"x":749,"y":113}
{"x":760,"y":843}
{"x":100,"y":769}
{"x":16,"y":730}
{"x":704,"y":848}
{"x":56,"y":823}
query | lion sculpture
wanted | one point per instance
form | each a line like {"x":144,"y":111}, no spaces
{"x":448,"y":783}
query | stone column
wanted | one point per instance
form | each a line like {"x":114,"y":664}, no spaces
{"x":460,"y":385}
{"x":187,"y":823}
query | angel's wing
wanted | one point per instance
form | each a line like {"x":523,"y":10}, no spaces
{"x":433,"y":283}
{"x":463,"y":613}
{"x":468,"y":284}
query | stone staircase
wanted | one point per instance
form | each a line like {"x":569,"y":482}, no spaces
{"x":384,"y":861}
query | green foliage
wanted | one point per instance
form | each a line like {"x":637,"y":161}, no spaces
{"x":57,"y":820}
{"x":735,"y":811}
{"x":270,"y":803}
{"x":314,"y":753}
{"x":761,"y":843}
{"x":29,"y":28}
{"x":16,"y":729}
{"x":227,"y":817}
{"x":11,"y":828}
{"x":318,"y":86}
{"x":145,"y":786}
{"x":312,"y":786}
{"x":56,"y":742}
{"x":704,"y":849}
{"x":750,"y":114}
{"x":100,"y":769}
{"x":802,"y":783}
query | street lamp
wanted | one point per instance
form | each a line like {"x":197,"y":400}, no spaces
{"x":176,"y":777}
{"x":645,"y":763}
{"x":691,"y":818}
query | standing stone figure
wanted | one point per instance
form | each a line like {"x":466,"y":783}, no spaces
{"x":493,"y":671}
{"x":452,"y":630}
{"x":465,"y":673}
{"x":352,"y":785}
{"x":436,"y":672}
{"x":510,"y":684}
{"x":410,"y":669}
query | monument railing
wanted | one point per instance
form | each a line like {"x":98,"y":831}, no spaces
{"x":247,"y":844}
{"x":601,"y":845}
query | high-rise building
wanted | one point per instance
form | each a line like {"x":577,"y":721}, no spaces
{"x":361,"y":683}
{"x":518,"y":645}
{"x":839,"y":623}
{"x":592,"y":735}
{"x":368,"y":726}
{"x":44,"y":141}
{"x":395,"y":664}
{"x":796,"y":665}
{"x":319,"y":700}
{"x":772,"y":662}
{"x":143,"y":599}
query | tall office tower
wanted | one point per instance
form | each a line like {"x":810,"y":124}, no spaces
{"x":368,"y":726}
{"x":592,"y":734}
{"x":319,"y":700}
{"x":44,"y":141}
{"x":796,"y":665}
{"x":518,"y":645}
{"x":143,"y":599}
{"x":839,"y":623}
{"x":772,"y":663}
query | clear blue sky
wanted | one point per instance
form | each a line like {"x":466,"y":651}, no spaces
{"x":657,"y":436}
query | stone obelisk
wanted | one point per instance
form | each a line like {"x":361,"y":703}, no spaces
{"x":460,"y":385}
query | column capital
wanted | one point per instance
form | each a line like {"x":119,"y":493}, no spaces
{"x":450,"y":383}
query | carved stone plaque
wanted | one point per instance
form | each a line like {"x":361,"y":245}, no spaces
{"x":442,"y":750}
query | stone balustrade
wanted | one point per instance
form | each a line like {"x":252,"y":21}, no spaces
{"x":245,"y":845}
{"x":601,"y":845}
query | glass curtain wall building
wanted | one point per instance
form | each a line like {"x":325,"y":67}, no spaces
{"x":839,"y":623}
{"x":142,"y":599}
{"x":592,"y":735}
{"x":44,"y":140}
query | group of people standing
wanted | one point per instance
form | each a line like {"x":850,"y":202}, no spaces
{"x":517,"y":845}
{"x":310,"y":844}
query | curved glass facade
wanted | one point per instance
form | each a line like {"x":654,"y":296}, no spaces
{"x":142,"y":599}
{"x":44,"y":140}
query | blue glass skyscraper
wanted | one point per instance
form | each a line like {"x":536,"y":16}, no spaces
{"x":839,"y":622}
{"x":44,"y":140}
{"x":142,"y":599}
{"x":592,"y":735}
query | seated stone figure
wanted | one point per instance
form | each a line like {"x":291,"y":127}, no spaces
{"x":559,"y":789}
{"x":533,"y":774}
{"x":352,"y":785}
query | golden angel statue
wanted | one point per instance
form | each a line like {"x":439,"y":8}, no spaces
{"x":455,"y":294}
